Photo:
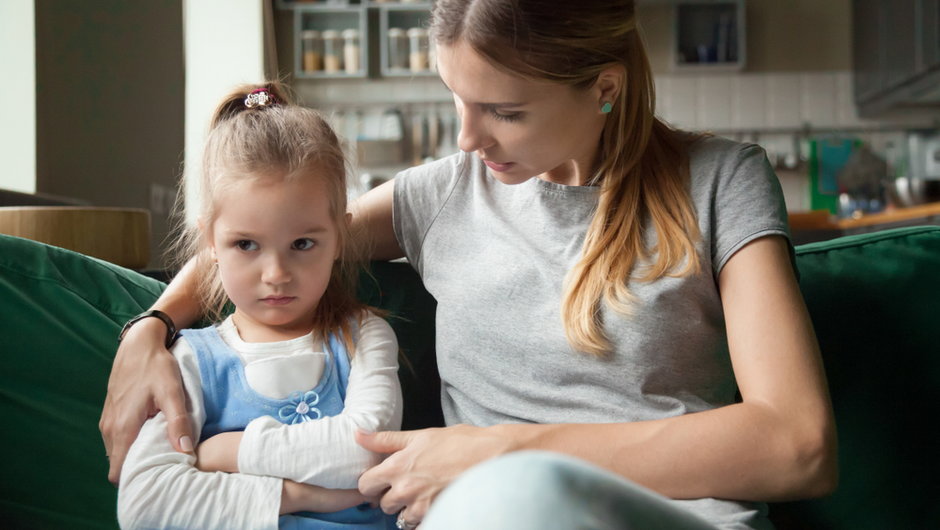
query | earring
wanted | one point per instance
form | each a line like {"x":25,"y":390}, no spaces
{"x":606,"y":107}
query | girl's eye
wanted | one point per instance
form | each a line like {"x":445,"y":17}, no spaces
{"x":304,"y":243}
{"x":246,"y":245}
{"x":506,"y":116}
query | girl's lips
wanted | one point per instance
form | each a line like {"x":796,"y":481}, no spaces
{"x":277,"y":300}
{"x":501,"y":168}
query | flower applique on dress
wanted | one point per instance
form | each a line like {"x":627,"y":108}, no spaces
{"x":301,"y":408}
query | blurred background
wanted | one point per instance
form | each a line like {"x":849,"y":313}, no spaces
{"x":107,"y":101}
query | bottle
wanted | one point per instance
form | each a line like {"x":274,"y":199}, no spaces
{"x":312,"y":50}
{"x":332,"y":55}
{"x":397,"y":49}
{"x":351,"y":50}
{"x":418,"y":56}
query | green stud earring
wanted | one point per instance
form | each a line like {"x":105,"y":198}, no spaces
{"x":606,"y":108}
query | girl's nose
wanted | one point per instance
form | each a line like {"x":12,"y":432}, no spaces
{"x":275,"y":271}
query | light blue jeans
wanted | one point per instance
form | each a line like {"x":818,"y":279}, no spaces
{"x":535,"y":490}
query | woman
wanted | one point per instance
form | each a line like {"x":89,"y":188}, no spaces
{"x":605,"y":285}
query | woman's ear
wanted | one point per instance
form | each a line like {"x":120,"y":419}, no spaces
{"x":607,"y":87}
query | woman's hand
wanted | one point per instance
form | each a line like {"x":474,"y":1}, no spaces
{"x":298,"y":497}
{"x":145,"y":379}
{"x":219,"y":452}
{"x":422,"y":463}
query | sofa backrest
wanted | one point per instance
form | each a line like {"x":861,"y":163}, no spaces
{"x":871,"y":298}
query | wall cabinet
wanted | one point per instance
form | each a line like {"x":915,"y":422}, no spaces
{"x":356,"y":39}
{"x":709,"y":35}
{"x":896,"y":53}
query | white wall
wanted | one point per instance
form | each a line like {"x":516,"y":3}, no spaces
{"x":18,"y":69}
{"x":224,"y":43}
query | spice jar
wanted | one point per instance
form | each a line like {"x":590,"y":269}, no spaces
{"x":332,"y":51}
{"x":312,"y":50}
{"x":397,"y":49}
{"x":351,"y":50}
{"x":418,"y":46}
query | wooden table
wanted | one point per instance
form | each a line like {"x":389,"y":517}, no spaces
{"x":819,"y":225}
{"x":118,"y":235}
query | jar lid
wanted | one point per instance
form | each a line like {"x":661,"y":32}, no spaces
{"x":350,"y":33}
{"x":310,"y":34}
{"x":417,"y":32}
{"x":396,"y":32}
{"x":330,"y":34}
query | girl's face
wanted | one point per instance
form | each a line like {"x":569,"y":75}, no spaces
{"x":522,"y":128}
{"x":275,"y":243}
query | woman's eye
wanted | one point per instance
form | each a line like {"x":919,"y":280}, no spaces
{"x":304,"y":243}
{"x":506,"y":116}
{"x":246,"y":245}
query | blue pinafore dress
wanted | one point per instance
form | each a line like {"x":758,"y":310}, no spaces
{"x":231,"y":404}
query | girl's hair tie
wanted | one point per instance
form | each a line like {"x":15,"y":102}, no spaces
{"x":261,"y":97}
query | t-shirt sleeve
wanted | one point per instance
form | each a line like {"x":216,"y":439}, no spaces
{"x":747,"y":204}
{"x":420,"y":194}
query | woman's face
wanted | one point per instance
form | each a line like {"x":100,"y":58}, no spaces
{"x":522,"y":128}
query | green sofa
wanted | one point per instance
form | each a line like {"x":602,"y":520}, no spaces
{"x":872,"y":297}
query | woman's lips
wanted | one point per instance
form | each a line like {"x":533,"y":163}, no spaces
{"x":501,"y":168}
{"x":277,"y":300}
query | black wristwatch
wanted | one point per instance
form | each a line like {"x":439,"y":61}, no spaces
{"x":171,"y":333}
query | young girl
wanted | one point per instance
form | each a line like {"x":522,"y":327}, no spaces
{"x":272,"y":238}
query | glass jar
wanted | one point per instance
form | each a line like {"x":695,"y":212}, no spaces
{"x":332,"y":51}
{"x":351,"y":51}
{"x":312,"y":50}
{"x":418,"y":49}
{"x":397,"y":49}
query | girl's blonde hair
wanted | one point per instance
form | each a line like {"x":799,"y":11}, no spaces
{"x":274,"y":140}
{"x":644,"y":168}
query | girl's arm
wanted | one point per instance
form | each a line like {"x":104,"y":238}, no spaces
{"x":145,"y":378}
{"x":161,"y":487}
{"x":779,"y":443}
{"x":323,"y":452}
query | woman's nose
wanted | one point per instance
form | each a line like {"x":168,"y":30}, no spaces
{"x":473,"y":135}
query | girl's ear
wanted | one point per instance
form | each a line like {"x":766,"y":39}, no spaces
{"x":207,"y":237}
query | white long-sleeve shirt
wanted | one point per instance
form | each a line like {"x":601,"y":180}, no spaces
{"x":161,"y":487}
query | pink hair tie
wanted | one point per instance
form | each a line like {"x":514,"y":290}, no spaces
{"x":260,"y":97}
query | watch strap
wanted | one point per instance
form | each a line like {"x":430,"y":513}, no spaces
{"x":171,"y":331}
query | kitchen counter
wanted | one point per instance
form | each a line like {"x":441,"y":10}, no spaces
{"x":820,"y":225}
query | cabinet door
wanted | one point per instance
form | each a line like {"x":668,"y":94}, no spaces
{"x":868,"y":50}
{"x":900,"y":19}
{"x":929,"y":35}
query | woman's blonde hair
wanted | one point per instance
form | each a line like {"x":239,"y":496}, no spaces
{"x":644,"y":168}
{"x":260,"y":140}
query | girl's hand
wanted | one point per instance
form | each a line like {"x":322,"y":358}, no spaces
{"x":219,"y":453}
{"x":145,"y":379}
{"x":422,"y":463}
{"x":297,"y":497}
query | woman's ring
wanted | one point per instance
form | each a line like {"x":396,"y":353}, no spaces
{"x":402,"y":524}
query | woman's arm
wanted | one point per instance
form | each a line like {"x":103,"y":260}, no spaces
{"x":372,"y":222}
{"x":323,"y":452}
{"x":779,"y":443}
{"x":145,"y":378}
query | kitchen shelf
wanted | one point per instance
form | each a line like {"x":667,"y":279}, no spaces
{"x":404,"y":17}
{"x":322,"y":17}
{"x":709,"y":35}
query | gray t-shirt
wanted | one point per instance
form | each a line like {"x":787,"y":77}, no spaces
{"x":495,"y":257}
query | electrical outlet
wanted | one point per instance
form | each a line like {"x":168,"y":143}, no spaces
{"x":161,"y":199}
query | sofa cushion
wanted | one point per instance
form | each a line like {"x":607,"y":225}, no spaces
{"x":873,"y":299}
{"x":60,"y":313}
